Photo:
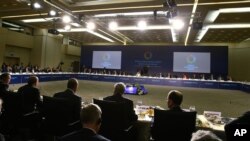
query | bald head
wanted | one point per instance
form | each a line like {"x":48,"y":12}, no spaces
{"x":119,"y":88}
{"x":72,"y":84}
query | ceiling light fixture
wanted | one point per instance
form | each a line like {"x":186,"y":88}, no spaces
{"x":191,"y":21}
{"x":130,"y":14}
{"x":11,"y":24}
{"x":37,"y":20}
{"x":67,"y":27}
{"x":36,"y":5}
{"x":174,"y":35}
{"x":177,"y":24}
{"x":142,"y":25}
{"x":75,"y":24}
{"x":66,"y":19}
{"x":113,"y":25}
{"x":149,"y":27}
{"x":73,"y":30}
{"x":52,"y":13}
{"x":100,"y":35}
{"x":212,"y":16}
{"x":89,"y":31}
{"x":204,"y":30}
{"x":90,"y":25}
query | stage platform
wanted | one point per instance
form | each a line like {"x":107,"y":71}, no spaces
{"x":46,"y":77}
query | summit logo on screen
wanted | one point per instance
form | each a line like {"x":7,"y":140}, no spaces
{"x":191,"y":60}
{"x":148,"y":55}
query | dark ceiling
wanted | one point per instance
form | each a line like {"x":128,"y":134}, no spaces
{"x":234,"y":24}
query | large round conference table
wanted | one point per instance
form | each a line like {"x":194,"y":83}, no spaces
{"x":165,"y":81}
{"x":144,"y":122}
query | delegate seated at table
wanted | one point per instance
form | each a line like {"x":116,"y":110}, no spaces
{"x":91,"y":122}
{"x":174,"y":100}
{"x":117,"y":97}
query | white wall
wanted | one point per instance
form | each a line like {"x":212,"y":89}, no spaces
{"x":239,"y":61}
{"x":19,"y":52}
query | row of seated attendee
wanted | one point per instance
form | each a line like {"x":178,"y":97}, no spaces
{"x":16,"y":68}
{"x":27,"y":116}
{"x":26,"y":110}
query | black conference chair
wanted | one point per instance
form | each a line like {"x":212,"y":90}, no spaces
{"x":173,"y":126}
{"x":115,"y":123}
{"x":11,"y":114}
{"x":57,"y":117}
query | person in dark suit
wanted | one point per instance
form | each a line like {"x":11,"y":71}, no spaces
{"x":30,"y":95}
{"x":91,"y":122}
{"x":117,"y":97}
{"x":174,"y":100}
{"x":70,"y":95}
{"x":11,"y":106}
{"x":242,"y":122}
{"x":4,"y":85}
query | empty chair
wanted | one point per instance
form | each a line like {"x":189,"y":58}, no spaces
{"x":173,"y":125}
{"x":58,"y":117}
{"x":115,"y":121}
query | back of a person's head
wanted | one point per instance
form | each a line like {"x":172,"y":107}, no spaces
{"x":72,"y":83}
{"x":119,"y":88}
{"x":91,"y":113}
{"x":175,"y":96}
{"x":4,"y":77}
{"x":202,"y":135}
{"x":33,"y":80}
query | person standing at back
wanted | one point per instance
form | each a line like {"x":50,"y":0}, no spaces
{"x":70,"y":95}
{"x":174,"y":100}
{"x":30,"y":95}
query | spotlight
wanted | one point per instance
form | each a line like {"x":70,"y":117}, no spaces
{"x":35,"y":5}
{"x":90,"y":25}
{"x":177,"y":24}
{"x":66,"y":19}
{"x":142,"y":25}
{"x":113,"y":25}
{"x":52,"y":13}
{"x":67,"y":27}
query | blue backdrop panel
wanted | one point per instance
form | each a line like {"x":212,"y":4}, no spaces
{"x":159,"y":59}
{"x":17,"y":79}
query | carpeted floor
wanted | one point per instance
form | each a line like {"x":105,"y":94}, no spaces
{"x":230,"y":103}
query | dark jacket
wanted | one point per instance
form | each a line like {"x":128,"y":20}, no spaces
{"x":74,"y":99}
{"x":3,"y":90}
{"x":30,"y":98}
{"x":244,"y":119}
{"x":84,"y":134}
{"x":129,"y":103}
{"x":176,"y":109}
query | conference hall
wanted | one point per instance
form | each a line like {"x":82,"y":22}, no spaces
{"x":134,"y":63}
